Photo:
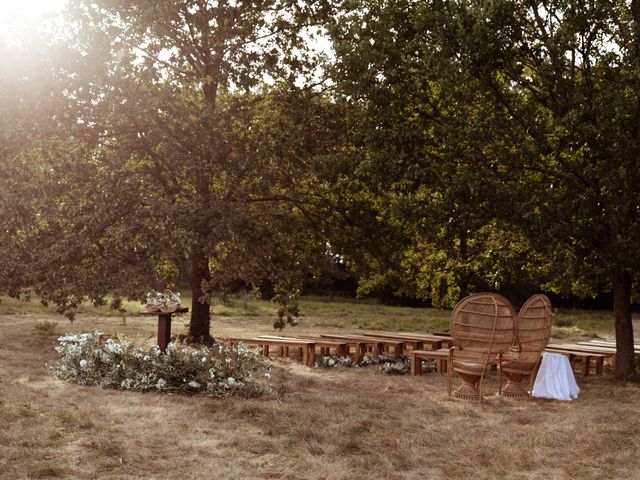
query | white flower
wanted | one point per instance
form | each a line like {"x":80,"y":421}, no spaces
{"x":146,"y":358}
{"x":204,"y":360}
{"x":83,"y":363}
{"x":231,"y":380}
{"x":194,"y":384}
{"x":161,"y":383}
{"x":331,"y":362}
{"x":267,"y":375}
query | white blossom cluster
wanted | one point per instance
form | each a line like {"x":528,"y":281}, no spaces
{"x":94,"y":359}
{"x":391,"y":366}
{"x":159,"y":300}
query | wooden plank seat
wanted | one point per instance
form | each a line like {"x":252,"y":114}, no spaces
{"x":340,"y":348}
{"x":416,"y":341}
{"x":585,"y":359}
{"x":440,"y":356}
{"x":442,"y":333}
{"x":606,"y":351}
{"x":606,"y":344}
{"x":308,"y":346}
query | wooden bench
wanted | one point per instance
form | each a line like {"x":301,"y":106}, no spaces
{"x":362,"y":343}
{"x":341,"y":348}
{"x":308,"y":346}
{"x":609,"y":353}
{"x":606,"y":344}
{"x":584,"y":358}
{"x":415,"y":341}
{"x":440,"y":356}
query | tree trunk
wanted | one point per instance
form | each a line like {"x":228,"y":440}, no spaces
{"x":200,"y":315}
{"x":625,"y":364}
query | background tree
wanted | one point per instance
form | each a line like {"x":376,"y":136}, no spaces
{"x":568,"y":74}
{"x":500,"y":143}
{"x":426,"y":162}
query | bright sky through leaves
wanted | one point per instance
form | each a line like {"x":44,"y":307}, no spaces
{"x":19,"y":16}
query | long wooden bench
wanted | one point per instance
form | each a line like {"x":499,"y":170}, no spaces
{"x":362,"y":343}
{"x":609,"y":353}
{"x":584,"y":358}
{"x":440,"y":356}
{"x":415,"y":341}
{"x":308,"y":346}
{"x":340,"y":348}
{"x":606,"y":344}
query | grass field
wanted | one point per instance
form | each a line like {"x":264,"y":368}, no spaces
{"x":323,"y":424}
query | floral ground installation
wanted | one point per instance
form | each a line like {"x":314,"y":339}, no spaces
{"x":390,"y":366}
{"x":95,"y":359}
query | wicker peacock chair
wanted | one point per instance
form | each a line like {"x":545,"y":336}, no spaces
{"x":533,"y":329}
{"x":482,"y":327}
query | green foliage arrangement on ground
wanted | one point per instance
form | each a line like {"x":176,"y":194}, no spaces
{"x":92,"y":359}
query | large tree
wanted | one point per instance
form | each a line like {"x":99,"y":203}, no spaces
{"x":568,"y":73}
{"x":194,"y":138}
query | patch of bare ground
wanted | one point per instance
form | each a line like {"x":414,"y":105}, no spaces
{"x":335,"y":424}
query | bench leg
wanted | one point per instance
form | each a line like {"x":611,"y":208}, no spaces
{"x":311,"y":357}
{"x":586,"y":360}
{"x":599,"y":366}
{"x":265,"y":350}
{"x":416,"y":365}
{"x":359,"y":351}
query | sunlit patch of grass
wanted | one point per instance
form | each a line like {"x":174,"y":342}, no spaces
{"x":369,"y":314}
{"x":587,"y":323}
{"x":244,"y":306}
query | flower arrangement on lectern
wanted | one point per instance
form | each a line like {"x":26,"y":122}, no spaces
{"x":166,"y":301}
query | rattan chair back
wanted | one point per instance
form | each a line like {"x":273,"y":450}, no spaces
{"x":533,"y":328}
{"x":482,"y":328}
{"x":483,"y":323}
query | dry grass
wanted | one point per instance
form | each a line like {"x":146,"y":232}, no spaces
{"x":331,"y":424}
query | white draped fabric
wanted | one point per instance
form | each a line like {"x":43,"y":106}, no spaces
{"x":555,"y":379}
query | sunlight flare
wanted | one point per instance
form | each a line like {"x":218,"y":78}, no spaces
{"x":18,"y":17}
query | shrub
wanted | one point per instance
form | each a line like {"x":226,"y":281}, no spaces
{"x":94,"y":359}
{"x":45,"y":327}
